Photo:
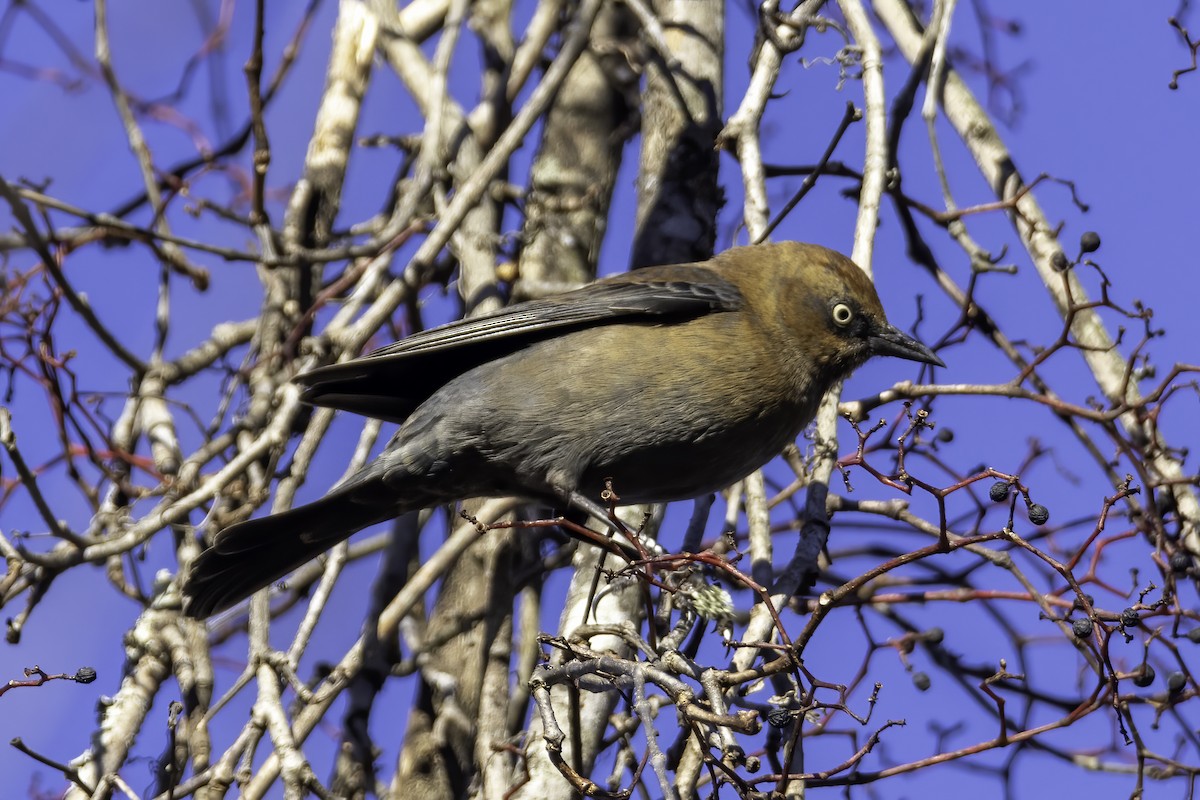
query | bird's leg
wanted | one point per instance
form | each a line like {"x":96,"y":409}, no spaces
{"x":593,"y":509}
{"x":585,"y":503}
{"x":638,"y":547}
{"x":615,"y":524}
{"x":565,"y":488}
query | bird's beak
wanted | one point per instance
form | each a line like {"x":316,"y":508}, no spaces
{"x":889,"y":340}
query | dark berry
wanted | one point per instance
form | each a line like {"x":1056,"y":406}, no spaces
{"x":85,"y":675}
{"x":1059,"y":261}
{"x":935,"y":635}
{"x":921,"y":681}
{"x":1194,"y":635}
{"x":1181,"y":563}
{"x":1144,"y":676}
{"x":944,"y":435}
{"x":999,"y":491}
{"x":1176,"y":681}
{"x":1130,"y":618}
{"x":1089,"y":242}
{"x":1038,"y":514}
{"x":1078,"y":604}
{"x":779,"y":718}
{"x":1082,"y":627}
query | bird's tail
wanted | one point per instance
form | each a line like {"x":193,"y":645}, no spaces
{"x":250,"y":555}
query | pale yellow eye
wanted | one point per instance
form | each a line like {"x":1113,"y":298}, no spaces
{"x":842,"y":314}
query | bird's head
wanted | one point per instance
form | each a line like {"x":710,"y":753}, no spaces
{"x":829,"y":306}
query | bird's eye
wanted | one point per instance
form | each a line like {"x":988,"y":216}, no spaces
{"x":842,"y":314}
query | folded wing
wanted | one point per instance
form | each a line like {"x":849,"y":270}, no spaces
{"x":392,"y":381}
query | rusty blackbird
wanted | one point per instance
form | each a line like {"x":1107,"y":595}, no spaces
{"x":673,"y":381}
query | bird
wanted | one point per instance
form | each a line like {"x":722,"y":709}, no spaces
{"x":671,"y":382}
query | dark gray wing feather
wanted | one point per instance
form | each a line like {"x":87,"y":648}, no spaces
{"x":393,"y":380}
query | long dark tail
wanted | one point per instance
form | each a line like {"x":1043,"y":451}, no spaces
{"x":253,"y":554}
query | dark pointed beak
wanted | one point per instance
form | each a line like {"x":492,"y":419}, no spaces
{"x":891,"y":341}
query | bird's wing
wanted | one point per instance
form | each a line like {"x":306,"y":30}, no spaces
{"x":393,"y":380}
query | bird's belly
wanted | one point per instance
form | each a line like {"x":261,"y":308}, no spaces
{"x":685,"y":468}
